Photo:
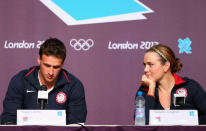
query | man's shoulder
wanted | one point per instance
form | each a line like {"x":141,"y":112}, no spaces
{"x":27,"y":71}
{"x":21,"y":75}
{"x":70,"y":77}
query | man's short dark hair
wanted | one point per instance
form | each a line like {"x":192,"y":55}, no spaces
{"x":53,"y":47}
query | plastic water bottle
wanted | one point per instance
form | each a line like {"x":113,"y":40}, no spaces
{"x":139,"y":109}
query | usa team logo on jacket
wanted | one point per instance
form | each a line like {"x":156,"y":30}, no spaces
{"x":182,"y":91}
{"x":61,"y":97}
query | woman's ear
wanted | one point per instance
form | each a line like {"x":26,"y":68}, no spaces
{"x":166,"y":66}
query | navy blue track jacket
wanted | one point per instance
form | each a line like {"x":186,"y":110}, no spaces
{"x":194,"y":93}
{"x":67,"y":94}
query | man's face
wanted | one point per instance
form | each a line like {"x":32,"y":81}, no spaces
{"x":50,"y":67}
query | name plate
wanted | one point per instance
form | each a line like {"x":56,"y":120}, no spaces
{"x":41,"y":117}
{"x":173,"y":117}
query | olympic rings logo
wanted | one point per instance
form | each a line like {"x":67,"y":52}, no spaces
{"x":81,"y":44}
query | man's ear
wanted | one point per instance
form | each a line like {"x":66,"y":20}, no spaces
{"x":38,"y":59}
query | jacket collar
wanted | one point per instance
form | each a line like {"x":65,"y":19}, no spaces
{"x":178,"y":79}
{"x":32,"y":77}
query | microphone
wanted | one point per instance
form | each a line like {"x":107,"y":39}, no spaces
{"x":42,"y":98}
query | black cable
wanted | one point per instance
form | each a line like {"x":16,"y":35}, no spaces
{"x":83,"y":126}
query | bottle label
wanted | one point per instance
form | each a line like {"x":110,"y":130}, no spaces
{"x":139,"y":112}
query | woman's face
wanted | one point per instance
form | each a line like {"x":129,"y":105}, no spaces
{"x":153,"y":68}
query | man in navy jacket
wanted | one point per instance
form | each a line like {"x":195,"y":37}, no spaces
{"x":65,"y":91}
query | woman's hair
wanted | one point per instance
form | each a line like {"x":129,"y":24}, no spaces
{"x":166,"y":54}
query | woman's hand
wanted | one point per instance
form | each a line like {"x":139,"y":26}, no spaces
{"x":149,"y":82}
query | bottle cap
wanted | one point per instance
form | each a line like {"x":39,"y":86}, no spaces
{"x":139,"y":93}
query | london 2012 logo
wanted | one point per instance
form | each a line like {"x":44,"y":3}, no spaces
{"x":77,"y":12}
{"x":185,"y":45}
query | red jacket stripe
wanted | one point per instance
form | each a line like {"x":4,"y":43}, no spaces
{"x":30,"y":71}
{"x":66,"y":76}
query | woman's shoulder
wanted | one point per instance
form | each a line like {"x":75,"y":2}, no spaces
{"x":189,"y":80}
{"x":191,"y":83}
